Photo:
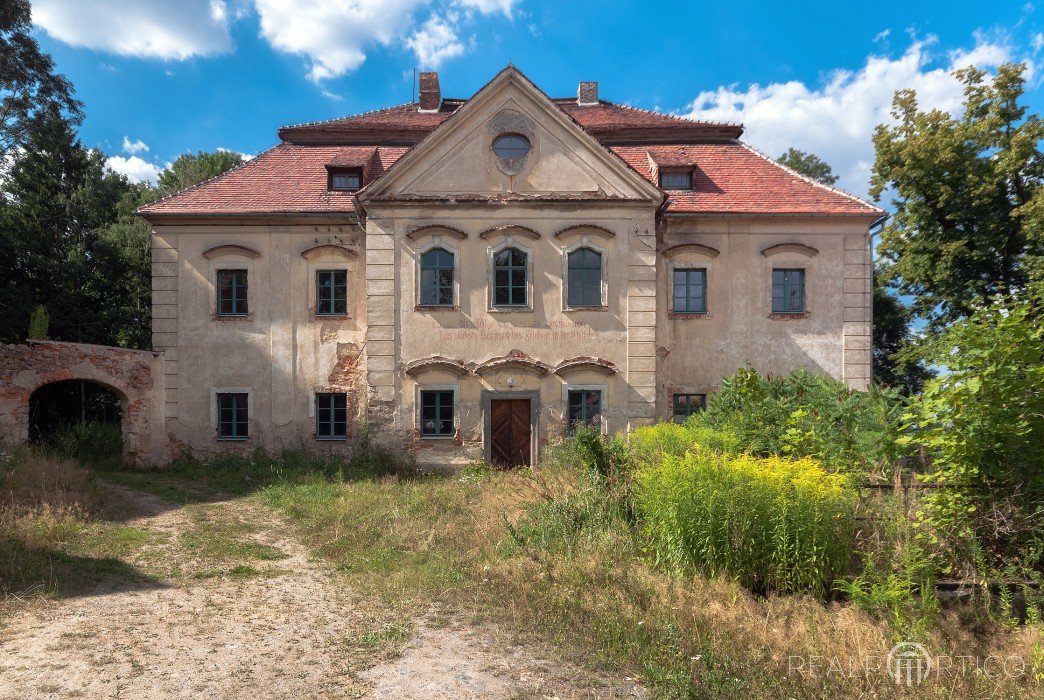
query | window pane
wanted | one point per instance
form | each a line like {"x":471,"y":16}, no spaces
{"x":511,"y":146}
{"x":676,"y":181}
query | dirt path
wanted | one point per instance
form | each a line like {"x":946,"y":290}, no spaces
{"x":280,"y":626}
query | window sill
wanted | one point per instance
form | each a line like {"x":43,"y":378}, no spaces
{"x":435,"y":308}
{"x":576,"y":309}
{"x":330,"y":439}
{"x":232,"y":439}
{"x":688,"y":315}
{"x":232,"y":318}
{"x":440,"y":438}
{"x":788,"y":315}
{"x":511,"y":309}
{"x":331,"y":317}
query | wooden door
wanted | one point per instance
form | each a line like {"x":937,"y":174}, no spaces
{"x":510,"y":432}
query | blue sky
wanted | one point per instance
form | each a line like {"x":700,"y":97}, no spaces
{"x":162,"y":77}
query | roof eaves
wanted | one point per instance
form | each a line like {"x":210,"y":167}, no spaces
{"x":152,"y":205}
{"x":836,"y":190}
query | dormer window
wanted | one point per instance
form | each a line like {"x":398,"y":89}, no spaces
{"x":345,"y":180}
{"x":676,"y":180}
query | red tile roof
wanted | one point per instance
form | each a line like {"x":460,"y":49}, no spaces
{"x":729,"y":177}
{"x":733,"y":178}
{"x":285,"y":179}
{"x":608,"y":122}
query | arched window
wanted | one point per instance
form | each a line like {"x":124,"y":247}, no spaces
{"x":584,"y":278}
{"x":436,"y":281}
{"x":510,"y":278}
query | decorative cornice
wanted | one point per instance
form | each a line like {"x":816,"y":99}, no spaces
{"x":801,"y":248}
{"x":315,"y":251}
{"x":515,"y":358}
{"x":579,"y":229}
{"x":433,"y":230}
{"x":436,"y":362}
{"x":704,"y":250}
{"x":525,"y":231}
{"x":230,"y":249}
{"x":578,"y":364}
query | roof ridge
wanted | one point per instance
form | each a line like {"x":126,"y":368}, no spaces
{"x":350,"y":116}
{"x":645,"y":110}
{"x":806,"y":178}
{"x":146,"y":207}
{"x":702,"y":122}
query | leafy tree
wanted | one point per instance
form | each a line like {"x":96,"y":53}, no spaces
{"x":31,"y":93}
{"x":893,"y":364}
{"x":191,"y":169}
{"x":810,"y":165}
{"x":969,"y":206}
{"x":981,"y":424}
{"x":38,"y":323}
{"x":56,"y":195}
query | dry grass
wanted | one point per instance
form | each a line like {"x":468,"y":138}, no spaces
{"x":573,"y":577}
{"x":54,"y":535}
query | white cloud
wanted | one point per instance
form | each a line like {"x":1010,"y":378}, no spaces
{"x":488,"y":7}
{"x":244,"y":156}
{"x":134,"y":168}
{"x":134,"y":147}
{"x":333,"y":36}
{"x":436,"y":41}
{"x":144,"y":28}
{"x":835,"y":119}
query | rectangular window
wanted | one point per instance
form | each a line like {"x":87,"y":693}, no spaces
{"x":676,"y":180}
{"x":584,"y":278}
{"x":510,"y":278}
{"x":331,"y":293}
{"x":331,"y":416}
{"x":585,"y":408}
{"x":437,"y":413}
{"x":437,"y":278}
{"x":232,"y":416}
{"x":690,"y":291}
{"x":788,"y":291}
{"x":687,"y":404}
{"x":347,"y":181}
{"x":231,"y":292}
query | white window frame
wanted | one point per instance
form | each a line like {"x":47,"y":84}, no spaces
{"x":604,"y":388}
{"x":215,"y":417}
{"x":455,"y":388}
{"x":585,"y":242}
{"x":437,"y":241}
{"x":491,"y":253}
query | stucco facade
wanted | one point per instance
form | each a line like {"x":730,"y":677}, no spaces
{"x":438,"y":185}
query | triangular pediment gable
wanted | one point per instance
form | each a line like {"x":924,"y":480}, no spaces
{"x":457,"y":161}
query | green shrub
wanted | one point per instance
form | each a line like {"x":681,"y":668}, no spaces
{"x":650,"y":444}
{"x":773,"y":524}
{"x":94,"y":444}
{"x":981,"y":424}
{"x":805,"y":414}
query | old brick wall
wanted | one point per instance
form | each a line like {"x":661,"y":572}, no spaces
{"x":136,"y":375}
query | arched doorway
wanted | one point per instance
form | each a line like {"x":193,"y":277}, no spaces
{"x":81,"y":418}
{"x":40,"y":386}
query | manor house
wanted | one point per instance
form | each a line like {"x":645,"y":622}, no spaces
{"x":470,"y":278}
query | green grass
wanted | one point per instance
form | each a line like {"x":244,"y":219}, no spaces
{"x":553,"y":556}
{"x":216,"y":539}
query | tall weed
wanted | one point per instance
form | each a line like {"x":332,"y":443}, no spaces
{"x":773,"y":524}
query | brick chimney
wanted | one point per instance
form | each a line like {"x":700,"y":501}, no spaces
{"x":587,"y":94}
{"x":430,"y":94}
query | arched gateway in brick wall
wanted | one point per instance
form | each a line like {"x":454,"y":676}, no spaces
{"x":135,"y":375}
